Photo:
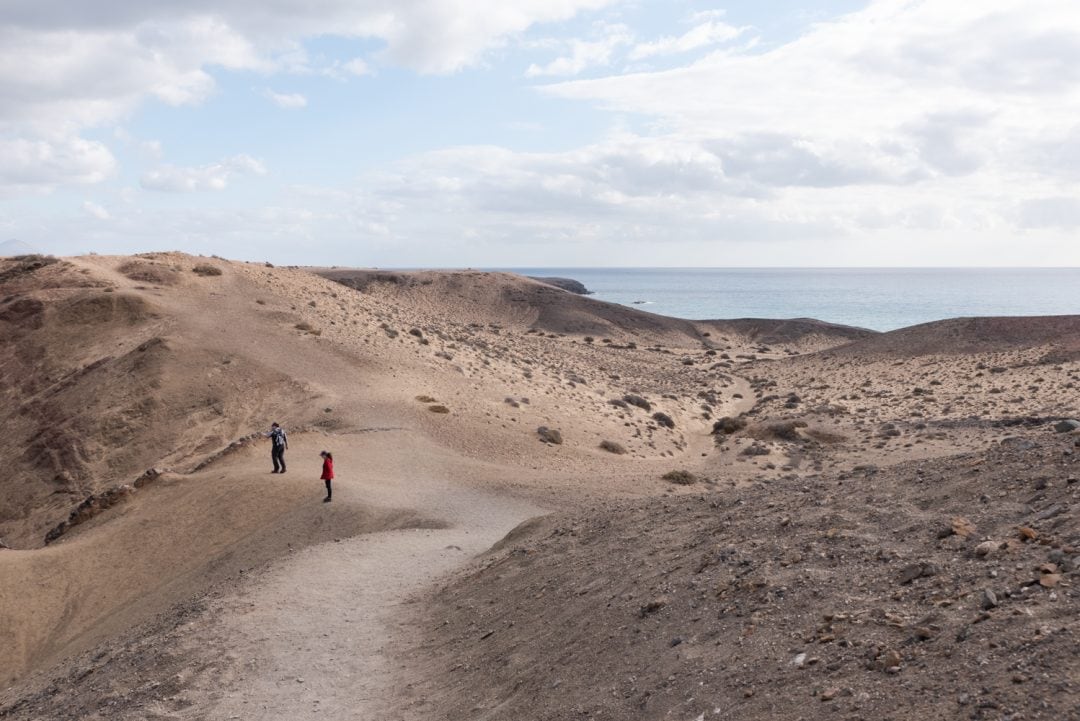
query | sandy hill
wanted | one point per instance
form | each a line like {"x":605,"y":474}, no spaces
{"x":703,"y":501}
{"x":523,"y":303}
{"x":976,"y":335}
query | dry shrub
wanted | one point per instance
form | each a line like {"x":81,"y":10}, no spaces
{"x":728,"y":425}
{"x":822,"y":436}
{"x":636,"y":400}
{"x":438,"y":409}
{"x":613,"y":447}
{"x":778,"y":431}
{"x":205,"y":269}
{"x":426,"y":399}
{"x":663,"y":419}
{"x":682,"y":478}
{"x":148,"y":273}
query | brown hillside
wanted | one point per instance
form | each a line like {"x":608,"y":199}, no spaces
{"x":698,"y":504}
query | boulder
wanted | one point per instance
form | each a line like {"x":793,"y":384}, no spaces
{"x":1066,"y":426}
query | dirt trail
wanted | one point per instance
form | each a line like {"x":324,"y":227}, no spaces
{"x":312,"y":633}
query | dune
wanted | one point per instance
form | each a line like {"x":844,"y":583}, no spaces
{"x":547,"y":506}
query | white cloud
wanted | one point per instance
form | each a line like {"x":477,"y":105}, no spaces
{"x":357,"y":66}
{"x":710,"y":32}
{"x":215,"y":176}
{"x":95,"y":211}
{"x":57,"y":161}
{"x":289,"y":101}
{"x":584,"y":54}
{"x":66,"y":67}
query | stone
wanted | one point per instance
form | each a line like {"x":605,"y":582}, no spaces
{"x":986,"y":548}
{"x":1049,"y":580}
{"x":917,"y":570}
{"x":1028,"y":534}
{"x":988,"y":599}
{"x":962,"y":526}
{"x":550,"y":435}
{"x":1067,"y":425}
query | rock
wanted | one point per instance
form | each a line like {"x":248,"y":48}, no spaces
{"x":830,"y":693}
{"x":1054,"y":510}
{"x":962,"y":526}
{"x":1049,"y":580}
{"x":1067,"y":426}
{"x":1028,"y":534}
{"x":988,"y":599}
{"x":151,"y":474}
{"x":653,"y":606}
{"x":986,"y":548}
{"x":890,"y":661}
{"x":4,"y":545}
{"x":550,"y":435}
{"x":917,"y":570}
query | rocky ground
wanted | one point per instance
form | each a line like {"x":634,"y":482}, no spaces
{"x":942,"y":589}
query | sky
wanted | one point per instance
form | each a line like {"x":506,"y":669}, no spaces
{"x":557,"y":133}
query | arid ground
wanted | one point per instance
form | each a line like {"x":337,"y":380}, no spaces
{"x":546,"y":507}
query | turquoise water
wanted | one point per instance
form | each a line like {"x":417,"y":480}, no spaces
{"x":876,"y":298}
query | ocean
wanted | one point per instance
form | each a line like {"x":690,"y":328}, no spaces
{"x":877,"y":298}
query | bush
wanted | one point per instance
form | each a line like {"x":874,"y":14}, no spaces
{"x":636,"y":400}
{"x":438,"y":409}
{"x":682,"y":478}
{"x":728,"y":425}
{"x":425,"y":399}
{"x":612,"y":447}
{"x":663,"y":419}
{"x":206,"y":269}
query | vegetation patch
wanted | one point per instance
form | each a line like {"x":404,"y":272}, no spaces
{"x":681,"y":478}
{"x":636,"y":400}
{"x":613,"y":447}
{"x":205,"y":269}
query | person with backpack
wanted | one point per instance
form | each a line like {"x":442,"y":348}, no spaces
{"x":279,"y":443}
{"x":327,"y":473}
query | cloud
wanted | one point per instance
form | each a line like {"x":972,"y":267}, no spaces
{"x":95,"y":211}
{"x":708,"y":33}
{"x":289,"y":101}
{"x":584,"y":54}
{"x":47,"y":163}
{"x":215,"y":176}
{"x":67,"y":67}
{"x":357,"y":66}
{"x":1041,"y":213}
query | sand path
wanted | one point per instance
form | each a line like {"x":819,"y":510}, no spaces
{"x":312,"y":635}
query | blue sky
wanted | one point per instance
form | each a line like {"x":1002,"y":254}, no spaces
{"x":448,"y":133}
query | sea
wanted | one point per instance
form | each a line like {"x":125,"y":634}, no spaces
{"x":880,"y":299}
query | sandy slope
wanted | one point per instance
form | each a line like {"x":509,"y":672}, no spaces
{"x":210,"y":591}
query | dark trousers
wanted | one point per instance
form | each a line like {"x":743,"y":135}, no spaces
{"x":277,"y":453}
{"x":328,"y":491}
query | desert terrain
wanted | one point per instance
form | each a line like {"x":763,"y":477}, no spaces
{"x":546,"y":506}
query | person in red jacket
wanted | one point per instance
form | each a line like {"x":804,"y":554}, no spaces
{"x":327,"y":473}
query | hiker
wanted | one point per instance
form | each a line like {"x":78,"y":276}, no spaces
{"x":279,"y":443}
{"x":327,"y":473}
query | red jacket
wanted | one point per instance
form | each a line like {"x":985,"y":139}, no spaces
{"x":327,"y":469}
